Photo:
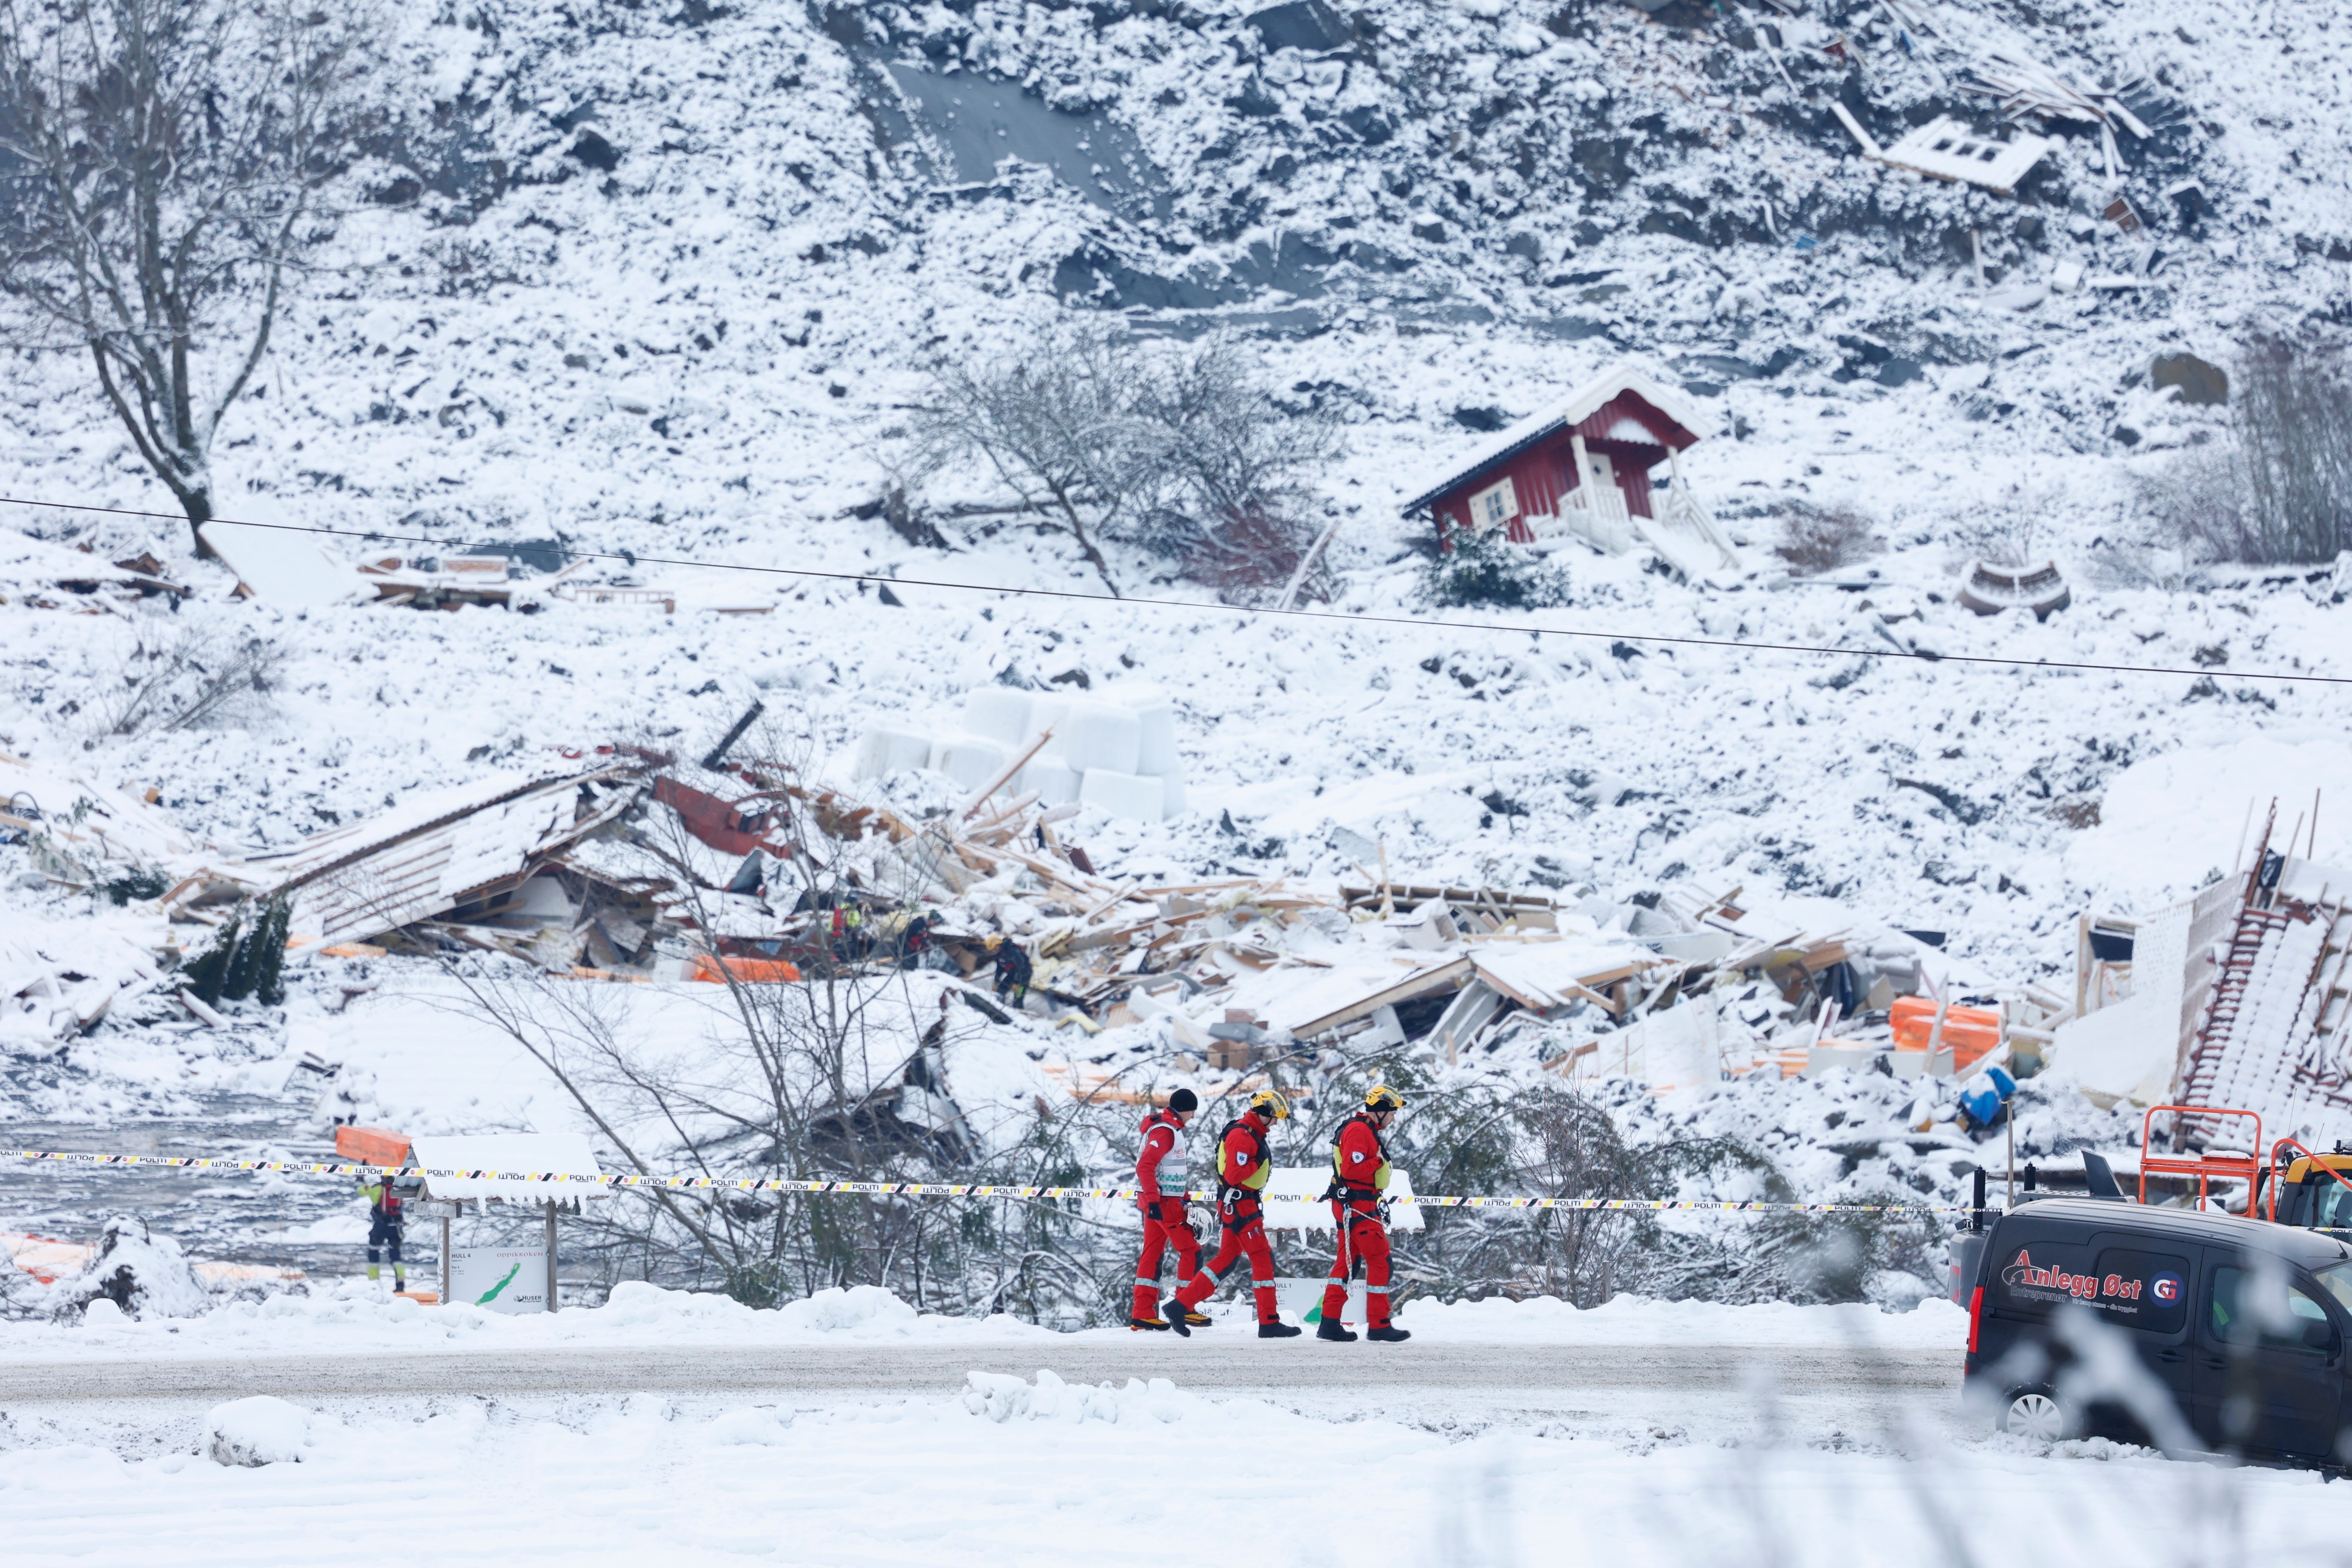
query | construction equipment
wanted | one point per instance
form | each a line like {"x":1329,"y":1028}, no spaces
{"x":2206,"y":1164}
{"x":2312,"y":1188}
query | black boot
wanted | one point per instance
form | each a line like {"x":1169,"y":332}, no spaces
{"x":1197,"y":1319}
{"x":1335,"y":1331}
{"x":1179,"y":1318}
{"x":1152,"y":1324}
{"x":1388,"y":1335}
{"x":1278,"y":1331}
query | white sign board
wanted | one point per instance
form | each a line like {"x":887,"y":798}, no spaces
{"x":500,"y":1279}
{"x":1294,"y":1199}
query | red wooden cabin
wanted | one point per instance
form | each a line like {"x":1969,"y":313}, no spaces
{"x":1585,"y":468}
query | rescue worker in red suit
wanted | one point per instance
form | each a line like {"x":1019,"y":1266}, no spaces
{"x":1245,"y":1162}
{"x":1159,"y":1174}
{"x":1359,"y":1195}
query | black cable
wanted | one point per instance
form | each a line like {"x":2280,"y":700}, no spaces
{"x":1197,"y":605}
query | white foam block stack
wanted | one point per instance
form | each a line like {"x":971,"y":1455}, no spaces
{"x":971,"y":759}
{"x":881,"y":752}
{"x":1116,"y":751}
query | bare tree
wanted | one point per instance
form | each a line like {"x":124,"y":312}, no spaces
{"x":1058,"y":425}
{"x":165,"y":166}
{"x":2280,"y":491}
{"x":2295,"y":442}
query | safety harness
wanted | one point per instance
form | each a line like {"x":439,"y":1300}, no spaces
{"x":1342,"y":1190}
{"x":1228,"y":1194}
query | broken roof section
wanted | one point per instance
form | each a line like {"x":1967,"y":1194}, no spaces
{"x":36,"y":571}
{"x":1944,"y":149}
{"x":444,"y":850}
{"x":276,"y":561}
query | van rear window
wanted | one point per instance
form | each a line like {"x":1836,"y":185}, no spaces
{"x":2146,"y":1291}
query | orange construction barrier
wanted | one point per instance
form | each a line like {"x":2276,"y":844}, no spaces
{"x":1972,"y":1032}
{"x":370,"y":1146}
{"x":747,"y":971}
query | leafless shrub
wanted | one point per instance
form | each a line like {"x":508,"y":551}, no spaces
{"x":2017,"y":530}
{"x":1057,"y":424}
{"x":2281,"y":492}
{"x":1180,"y":449}
{"x":1818,"y":539}
{"x":189,"y":681}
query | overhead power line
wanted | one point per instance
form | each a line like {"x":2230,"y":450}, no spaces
{"x":1198,"y":607}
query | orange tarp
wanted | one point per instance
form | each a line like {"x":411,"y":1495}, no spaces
{"x":370,"y":1145}
{"x":1972,"y":1032}
{"x":746,"y":969}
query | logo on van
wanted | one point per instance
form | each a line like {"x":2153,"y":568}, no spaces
{"x":2026,"y":1273}
{"x":2165,"y":1289}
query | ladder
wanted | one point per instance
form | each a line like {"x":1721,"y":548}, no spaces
{"x":2255,"y":926}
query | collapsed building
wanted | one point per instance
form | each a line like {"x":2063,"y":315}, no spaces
{"x":2235,"y":998}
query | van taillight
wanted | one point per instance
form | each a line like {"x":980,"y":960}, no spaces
{"x":1976,"y":1316}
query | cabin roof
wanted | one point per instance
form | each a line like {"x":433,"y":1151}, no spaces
{"x":1579,"y":405}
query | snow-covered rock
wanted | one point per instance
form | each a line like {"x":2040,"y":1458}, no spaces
{"x":260,"y":1430}
{"x":138,"y":1272}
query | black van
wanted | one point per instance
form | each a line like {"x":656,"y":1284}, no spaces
{"x":2190,"y":1330}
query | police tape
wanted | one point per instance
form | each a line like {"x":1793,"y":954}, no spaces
{"x":941,"y":1189}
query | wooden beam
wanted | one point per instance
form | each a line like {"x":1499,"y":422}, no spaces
{"x":1004,"y":774}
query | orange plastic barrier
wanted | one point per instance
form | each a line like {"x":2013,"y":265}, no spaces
{"x":747,"y":971}
{"x":370,"y":1145}
{"x":1972,"y":1032}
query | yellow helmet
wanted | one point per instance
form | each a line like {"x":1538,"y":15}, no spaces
{"x":1380,"y":1097}
{"x":1269,"y":1104}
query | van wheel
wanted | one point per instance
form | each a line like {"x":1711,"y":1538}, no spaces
{"x":2035,"y":1414}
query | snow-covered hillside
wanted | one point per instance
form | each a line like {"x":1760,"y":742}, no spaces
{"x":666,"y":284}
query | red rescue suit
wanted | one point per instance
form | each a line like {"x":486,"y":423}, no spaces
{"x":1359,"y":1181}
{"x":1159,"y":1173}
{"x":1243,"y":1164}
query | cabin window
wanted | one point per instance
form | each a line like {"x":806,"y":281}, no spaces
{"x":1494,"y":506}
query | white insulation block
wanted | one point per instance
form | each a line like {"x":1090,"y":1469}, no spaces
{"x":1055,"y":781}
{"x":1171,"y":794}
{"x":1156,"y":749}
{"x":1048,"y":713}
{"x":1100,"y":738}
{"x":970,"y":760}
{"x":998,"y":713}
{"x":881,"y":752}
{"x":1126,"y":795}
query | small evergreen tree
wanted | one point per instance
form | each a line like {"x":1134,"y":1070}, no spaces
{"x":1483,"y":568}
{"x":210,"y":971}
{"x":237,"y":984}
{"x":269,"y":960}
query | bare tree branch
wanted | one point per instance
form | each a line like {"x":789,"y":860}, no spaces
{"x":162,"y":163}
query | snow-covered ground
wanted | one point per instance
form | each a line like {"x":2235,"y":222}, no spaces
{"x":1041,"y":1468}
{"x":355,"y":1319}
{"x":1037,"y":1471}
